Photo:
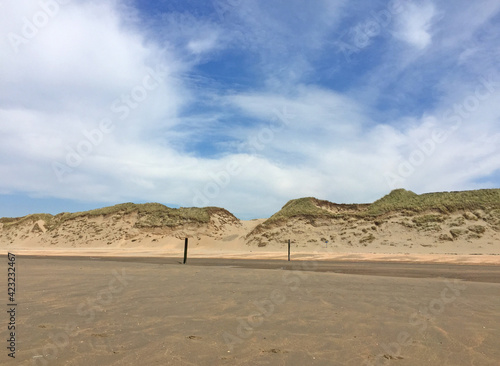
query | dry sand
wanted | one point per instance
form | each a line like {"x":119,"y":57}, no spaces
{"x":156,"y":311}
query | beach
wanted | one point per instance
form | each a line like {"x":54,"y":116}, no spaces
{"x":110,"y":310}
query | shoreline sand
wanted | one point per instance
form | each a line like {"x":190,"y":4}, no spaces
{"x":131,"y":310}
{"x":477,"y":259}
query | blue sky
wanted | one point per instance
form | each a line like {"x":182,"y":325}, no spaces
{"x":244,"y":104}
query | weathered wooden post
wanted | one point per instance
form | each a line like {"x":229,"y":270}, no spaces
{"x":289,"y":250}
{"x":185,"y":250}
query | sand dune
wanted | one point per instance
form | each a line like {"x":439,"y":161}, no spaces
{"x":314,"y":227}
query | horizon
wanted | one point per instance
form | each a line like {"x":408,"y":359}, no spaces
{"x":244,"y":104}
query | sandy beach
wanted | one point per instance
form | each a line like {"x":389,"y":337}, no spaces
{"x":103,"y":310}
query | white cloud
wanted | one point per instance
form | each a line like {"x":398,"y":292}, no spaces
{"x":82,"y":52}
{"x":414,"y":24}
{"x":85,"y":65}
{"x":303,"y":140}
{"x":207,"y":43}
{"x":190,"y":36}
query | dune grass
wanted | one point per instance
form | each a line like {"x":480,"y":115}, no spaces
{"x":307,"y":206}
{"x":312,"y":208}
{"x":399,"y":200}
{"x":10,"y":222}
{"x":149,"y":215}
{"x":443,"y":202}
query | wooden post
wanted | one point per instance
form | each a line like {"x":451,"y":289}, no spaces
{"x":185,"y":250}
{"x":289,"y":250}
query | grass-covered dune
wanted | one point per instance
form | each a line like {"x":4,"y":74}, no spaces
{"x":314,"y":208}
{"x":444,"y":202}
{"x":148,"y":214}
{"x":151,"y":215}
{"x":399,"y":200}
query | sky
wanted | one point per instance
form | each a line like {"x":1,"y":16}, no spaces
{"x":244,"y":104}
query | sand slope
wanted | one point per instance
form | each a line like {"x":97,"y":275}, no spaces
{"x":311,"y":225}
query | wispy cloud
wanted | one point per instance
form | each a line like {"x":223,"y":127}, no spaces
{"x":414,"y":24}
{"x":164,"y":106}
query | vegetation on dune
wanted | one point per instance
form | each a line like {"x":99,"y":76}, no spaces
{"x":426,"y":219}
{"x":429,"y":205}
{"x":303,"y":206}
{"x":170,"y":217}
{"x":399,"y":200}
{"x":311,"y":207}
{"x":493,"y":218}
{"x":444,"y":202}
{"x":14,"y":221}
{"x":149,"y":215}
